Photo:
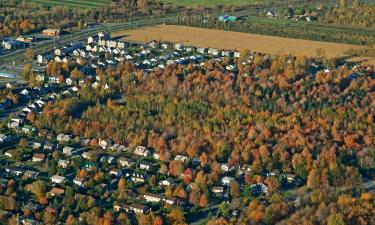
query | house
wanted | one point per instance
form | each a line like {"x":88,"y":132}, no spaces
{"x":56,"y":192}
{"x":125,"y":162}
{"x":68,"y":151}
{"x":181,"y":158}
{"x":13,"y":125}
{"x":217,"y":190}
{"x":44,"y":59}
{"x":108,"y":159}
{"x":139,"y":177}
{"x":11,"y":153}
{"x":104,"y":144}
{"x":114,"y":147}
{"x":170,"y":200}
{"x":30,"y":174}
{"x":64,"y":137}
{"x":237,"y":54}
{"x":225,"y":167}
{"x":146,"y":166}
{"x":138,"y":209}
{"x":63,"y":163}
{"x":27,"y":129}
{"x":116,"y":172}
{"x":178,"y":46}
{"x":49,"y":147}
{"x":4,"y":138}
{"x":58,"y":179}
{"x":154,"y":198}
{"x":37,"y":145}
{"x":13,"y":44}
{"x":14,"y":170}
{"x":69,"y":81}
{"x":142,"y":151}
{"x":156,"y":156}
{"x":104,"y":36}
{"x":79,"y":181}
{"x":51,"y":32}
{"x":41,"y":78}
{"x":167,"y":182}
{"x":213,"y":51}
{"x":226,"y":180}
{"x":38,"y":157}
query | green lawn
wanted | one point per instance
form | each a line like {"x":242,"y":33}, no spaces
{"x":75,"y":3}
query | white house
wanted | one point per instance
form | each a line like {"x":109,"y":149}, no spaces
{"x":68,"y":151}
{"x":58,"y":179}
{"x":226,"y":180}
{"x":142,"y":151}
{"x":63,"y":163}
{"x":4,"y":138}
{"x":79,"y":181}
{"x":154,"y":198}
{"x":125,"y":162}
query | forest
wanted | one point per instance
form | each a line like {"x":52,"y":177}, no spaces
{"x":271,"y":115}
{"x":25,"y":17}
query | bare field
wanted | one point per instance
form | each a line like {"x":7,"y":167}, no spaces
{"x":234,"y":40}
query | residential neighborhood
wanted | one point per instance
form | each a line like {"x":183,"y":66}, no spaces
{"x":117,"y":112}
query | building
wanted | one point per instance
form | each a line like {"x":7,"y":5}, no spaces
{"x":79,"y":181}
{"x":56,"y":192}
{"x":154,"y":198}
{"x":226,"y":180}
{"x":146,"y":166}
{"x":4,"y":138}
{"x":182,"y":158}
{"x":58,"y":179}
{"x":38,"y":157}
{"x":125,"y":162}
{"x":68,"y":151}
{"x":44,"y":59}
{"x":51,"y":32}
{"x":13,"y":44}
{"x":167,"y":182}
{"x":63,"y":163}
{"x":142,"y":151}
{"x":217,"y":190}
{"x":116,"y":172}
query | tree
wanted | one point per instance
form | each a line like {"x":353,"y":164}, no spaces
{"x":26,"y":72}
{"x":29,"y":54}
{"x":176,"y":216}
{"x":234,"y":189}
{"x":158,"y":221}
{"x":203,"y":201}
{"x":76,"y":74}
{"x":224,"y":209}
{"x":336,"y":219}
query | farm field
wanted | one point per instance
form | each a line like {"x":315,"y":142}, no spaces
{"x":235,"y":40}
{"x":74,"y":3}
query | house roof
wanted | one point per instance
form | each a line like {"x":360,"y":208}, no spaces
{"x":39,"y":156}
{"x":57,"y":191}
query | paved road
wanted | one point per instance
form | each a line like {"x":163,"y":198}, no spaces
{"x":49,"y":45}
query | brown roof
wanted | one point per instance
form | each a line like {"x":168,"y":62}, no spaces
{"x":57,"y":191}
{"x":39,"y":156}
